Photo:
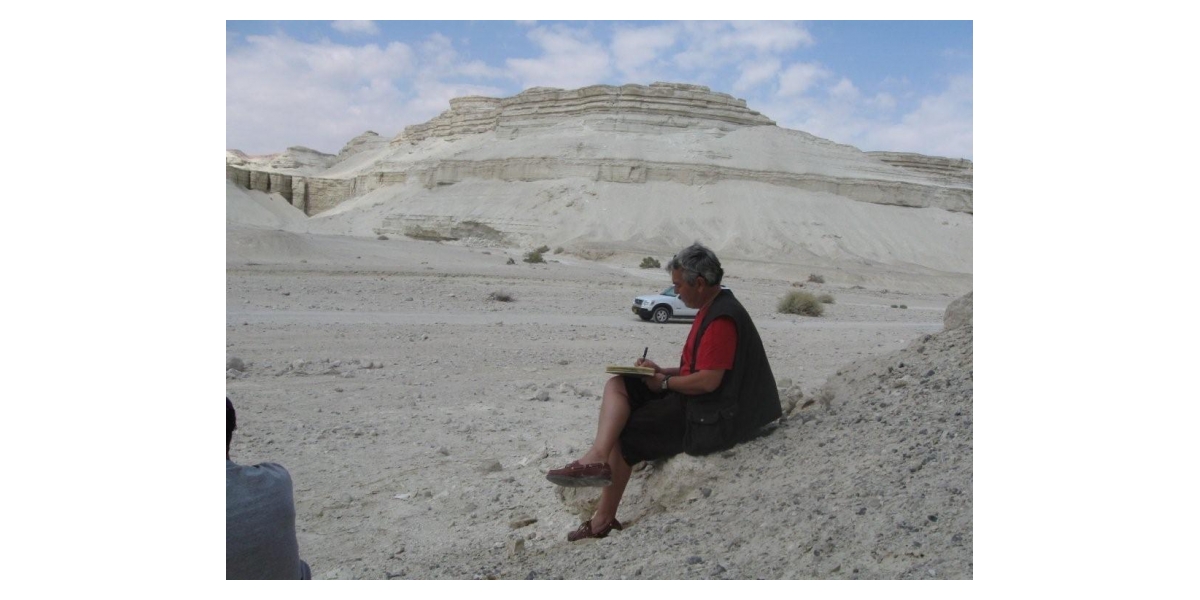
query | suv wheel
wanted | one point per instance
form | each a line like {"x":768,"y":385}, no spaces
{"x":661,"y":314}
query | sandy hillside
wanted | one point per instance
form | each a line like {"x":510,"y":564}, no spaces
{"x":635,"y":169}
{"x":417,"y":416}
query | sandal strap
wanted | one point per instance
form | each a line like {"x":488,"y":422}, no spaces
{"x":585,"y":529}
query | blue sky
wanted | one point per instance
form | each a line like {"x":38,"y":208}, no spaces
{"x":877,"y":85}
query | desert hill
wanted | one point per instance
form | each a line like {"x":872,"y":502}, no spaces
{"x":638,"y":169}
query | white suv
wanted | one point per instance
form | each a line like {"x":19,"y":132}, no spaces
{"x":661,"y":307}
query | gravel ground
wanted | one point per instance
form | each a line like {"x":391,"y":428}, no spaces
{"x":417,"y":417}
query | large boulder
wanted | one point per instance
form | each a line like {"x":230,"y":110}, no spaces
{"x":959,"y":313}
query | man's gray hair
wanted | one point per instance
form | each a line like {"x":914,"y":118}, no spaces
{"x":697,"y":261}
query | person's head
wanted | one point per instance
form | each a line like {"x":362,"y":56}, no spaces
{"x":230,"y":423}
{"x":696,"y":273}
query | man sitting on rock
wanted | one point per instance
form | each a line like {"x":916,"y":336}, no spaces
{"x":260,"y":518}
{"x":721,"y":393}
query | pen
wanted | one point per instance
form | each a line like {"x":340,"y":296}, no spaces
{"x":644,"y":352}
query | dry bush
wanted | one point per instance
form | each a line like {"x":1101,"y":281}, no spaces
{"x":650,"y":263}
{"x":593,"y":254}
{"x":800,"y":303}
{"x":534,"y":256}
{"x":417,"y":232}
{"x":477,"y":230}
{"x":558,"y":250}
{"x":501,"y":296}
{"x":813,"y":277}
{"x":797,"y":284}
{"x":511,"y":261}
{"x":542,"y":249}
{"x":825,"y":299}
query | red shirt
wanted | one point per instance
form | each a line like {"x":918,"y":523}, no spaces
{"x":717,"y":347}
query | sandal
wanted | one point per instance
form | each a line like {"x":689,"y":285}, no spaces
{"x":585,"y":531}
{"x":577,"y":475}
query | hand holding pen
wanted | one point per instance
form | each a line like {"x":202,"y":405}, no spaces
{"x":644,"y":362}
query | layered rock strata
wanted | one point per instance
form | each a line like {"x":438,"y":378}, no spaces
{"x":656,"y":105}
{"x":955,"y":170}
{"x":317,"y":182}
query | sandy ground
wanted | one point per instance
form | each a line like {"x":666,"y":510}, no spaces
{"x":417,"y":418}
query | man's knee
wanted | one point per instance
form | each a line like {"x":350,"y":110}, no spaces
{"x":616,"y":386}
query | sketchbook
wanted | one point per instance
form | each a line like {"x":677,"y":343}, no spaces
{"x":619,"y":370}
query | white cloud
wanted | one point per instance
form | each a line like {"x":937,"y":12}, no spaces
{"x":282,"y":92}
{"x":711,"y":45}
{"x":634,"y":49}
{"x":941,"y":125}
{"x":798,"y":78}
{"x":754,"y":73}
{"x":883,"y":101}
{"x":433,"y":97}
{"x":479,"y":70}
{"x":439,"y":59}
{"x":844,"y":91}
{"x":767,"y":36}
{"x":570,"y":59}
{"x":356,"y":27}
{"x":437,"y":51}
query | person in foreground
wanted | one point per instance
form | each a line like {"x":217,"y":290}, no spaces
{"x":260,"y":518}
{"x":721,"y":393}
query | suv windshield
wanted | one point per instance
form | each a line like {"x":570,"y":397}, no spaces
{"x":669,"y":291}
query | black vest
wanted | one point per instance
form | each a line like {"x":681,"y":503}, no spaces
{"x":747,"y":398}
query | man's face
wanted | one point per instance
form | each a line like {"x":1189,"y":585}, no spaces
{"x":688,"y":294}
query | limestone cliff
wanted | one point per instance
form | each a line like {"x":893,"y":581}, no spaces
{"x":953,"y":170}
{"x":639,"y":107}
{"x":628,"y":134}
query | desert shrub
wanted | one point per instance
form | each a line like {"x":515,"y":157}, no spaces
{"x":894,"y":306}
{"x":501,"y":296}
{"x":382,"y":237}
{"x":534,"y":256}
{"x":428,"y":235}
{"x":593,"y":254}
{"x":800,"y":303}
{"x":476,"y":230}
{"x":813,"y":277}
{"x":558,"y":250}
{"x":797,"y":284}
{"x":904,"y":306}
{"x":511,"y":261}
{"x":542,"y":249}
{"x":825,"y":299}
{"x":650,"y":263}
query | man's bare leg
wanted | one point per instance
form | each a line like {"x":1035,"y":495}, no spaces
{"x":606,"y":447}
{"x":610,"y":495}
{"x":614,"y":412}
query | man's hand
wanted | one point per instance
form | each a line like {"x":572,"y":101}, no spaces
{"x":645,"y":362}
{"x":700,"y":382}
{"x":654,"y":382}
